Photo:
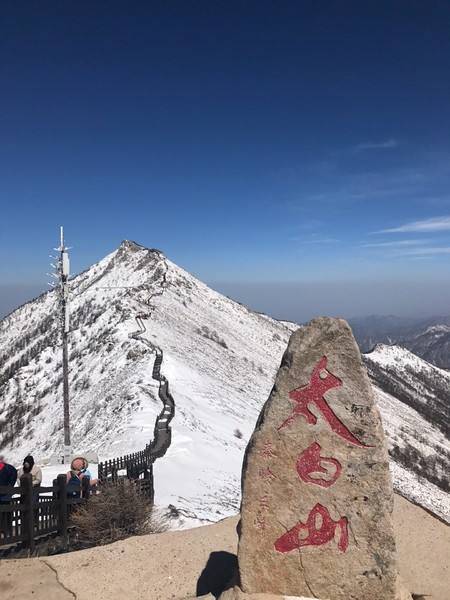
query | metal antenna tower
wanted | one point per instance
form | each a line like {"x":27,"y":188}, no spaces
{"x":61,"y":276}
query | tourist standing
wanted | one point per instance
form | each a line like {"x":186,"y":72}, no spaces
{"x":30,"y":467}
{"x":8,"y":478}
{"x":78,"y":471}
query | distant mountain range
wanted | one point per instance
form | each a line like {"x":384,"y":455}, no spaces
{"x":220,"y":358}
{"x":428,"y":338}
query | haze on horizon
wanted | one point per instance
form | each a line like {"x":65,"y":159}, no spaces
{"x":300,"y":301}
{"x":296,"y":156}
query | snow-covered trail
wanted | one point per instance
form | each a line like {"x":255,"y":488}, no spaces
{"x":162,"y":431}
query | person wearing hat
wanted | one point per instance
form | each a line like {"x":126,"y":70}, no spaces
{"x":78,"y":471}
{"x":29,"y":467}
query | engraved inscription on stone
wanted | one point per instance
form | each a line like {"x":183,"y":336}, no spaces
{"x":317,"y":495}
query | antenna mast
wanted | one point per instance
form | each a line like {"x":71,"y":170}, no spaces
{"x":63,"y":270}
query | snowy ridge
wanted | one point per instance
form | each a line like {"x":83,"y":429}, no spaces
{"x":414,"y":397}
{"x":162,"y":433}
{"x":427,"y":338}
{"x":412,"y":380}
{"x":436,"y":329}
{"x":406,"y":429}
{"x":220,"y":358}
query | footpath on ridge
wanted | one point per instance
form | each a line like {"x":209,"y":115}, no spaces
{"x":139,"y":463}
{"x":162,"y":435}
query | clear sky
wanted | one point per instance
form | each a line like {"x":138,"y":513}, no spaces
{"x":302,"y":144}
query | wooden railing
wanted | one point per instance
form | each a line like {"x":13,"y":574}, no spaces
{"x":29,"y":514}
{"x":139,"y":465}
{"x":132,"y":466}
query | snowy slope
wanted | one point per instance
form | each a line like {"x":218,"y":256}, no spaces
{"x":219,"y":357}
{"x":414,"y":381}
{"x":414,"y":401}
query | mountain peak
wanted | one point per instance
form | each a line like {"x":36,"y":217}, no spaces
{"x":131,"y":246}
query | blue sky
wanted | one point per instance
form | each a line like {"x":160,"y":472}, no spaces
{"x":253,"y":142}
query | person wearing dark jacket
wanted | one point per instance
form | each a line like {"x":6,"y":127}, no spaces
{"x":8,"y":478}
{"x":30,"y":467}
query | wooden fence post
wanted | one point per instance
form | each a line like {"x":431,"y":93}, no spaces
{"x":27,"y":514}
{"x":85,"y":488}
{"x":61,"y":483}
{"x":151,"y":493}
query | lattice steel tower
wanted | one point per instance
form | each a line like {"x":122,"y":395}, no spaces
{"x":61,"y":276}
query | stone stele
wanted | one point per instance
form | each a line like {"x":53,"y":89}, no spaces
{"x":316,"y":490}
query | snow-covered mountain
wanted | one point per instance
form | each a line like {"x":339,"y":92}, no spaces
{"x":428,"y":338}
{"x":220,"y":359}
{"x":382,"y":329}
{"x":432,"y":343}
{"x":414,"y":401}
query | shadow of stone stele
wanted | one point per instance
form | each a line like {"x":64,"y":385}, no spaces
{"x":219,"y":571}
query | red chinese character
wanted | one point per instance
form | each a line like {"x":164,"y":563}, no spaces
{"x":264,"y":502}
{"x":320,"y":383}
{"x":310,"y":461}
{"x":267,"y":450}
{"x":260,"y":521}
{"x":266,"y":474}
{"x":317,"y":535}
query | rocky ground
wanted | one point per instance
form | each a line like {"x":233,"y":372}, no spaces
{"x":181,"y":564}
